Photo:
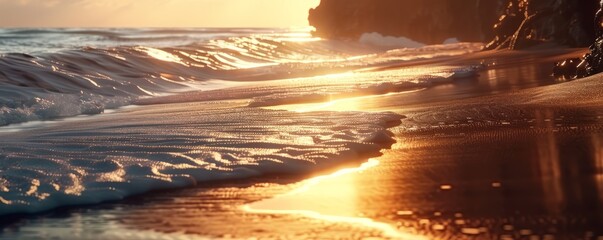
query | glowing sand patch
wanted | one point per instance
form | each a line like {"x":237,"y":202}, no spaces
{"x":362,"y":103}
{"x":309,"y":201}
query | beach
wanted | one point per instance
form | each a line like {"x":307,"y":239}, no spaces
{"x":501,"y":151}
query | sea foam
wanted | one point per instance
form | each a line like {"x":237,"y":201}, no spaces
{"x":211,"y":134}
{"x":389,"y":41}
{"x":115,"y":156}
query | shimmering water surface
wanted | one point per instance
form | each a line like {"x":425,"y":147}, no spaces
{"x":483,"y":145}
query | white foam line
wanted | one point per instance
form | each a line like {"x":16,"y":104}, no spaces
{"x":17,"y":127}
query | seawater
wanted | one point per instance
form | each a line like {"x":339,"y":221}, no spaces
{"x":204,"y":91}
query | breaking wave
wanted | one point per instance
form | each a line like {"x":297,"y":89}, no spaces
{"x":89,"y":71}
{"x":206,"y":138}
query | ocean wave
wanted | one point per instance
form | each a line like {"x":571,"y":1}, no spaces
{"x":90,"y":79}
{"x":389,"y":41}
{"x":217,"y":132}
{"x":94,"y":161}
{"x":36,"y":85}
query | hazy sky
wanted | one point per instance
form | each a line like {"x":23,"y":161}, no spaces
{"x":155,"y":13}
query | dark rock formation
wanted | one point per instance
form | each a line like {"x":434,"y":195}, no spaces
{"x":592,"y":62}
{"x":427,"y":21}
{"x":524,"y":23}
{"x":568,"y":68}
{"x":512,"y":24}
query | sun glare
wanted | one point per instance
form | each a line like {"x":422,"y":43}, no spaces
{"x":329,"y":198}
{"x":154,"y":13}
{"x":161,"y":55}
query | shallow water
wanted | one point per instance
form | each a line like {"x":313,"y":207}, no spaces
{"x":52,"y":164}
{"x":57,"y":73}
{"x":483,"y":183}
{"x":519,"y":165}
{"x":456,"y":151}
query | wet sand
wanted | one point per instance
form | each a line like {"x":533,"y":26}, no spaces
{"x":475,"y":159}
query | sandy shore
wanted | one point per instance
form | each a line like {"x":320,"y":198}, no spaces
{"x":513,"y":154}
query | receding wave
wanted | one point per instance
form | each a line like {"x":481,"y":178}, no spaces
{"x":220,"y":133}
{"x":90,"y":79}
{"x":84,"y":164}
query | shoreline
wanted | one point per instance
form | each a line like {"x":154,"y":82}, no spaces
{"x":288,"y":204}
{"x":555,"y":124}
{"x":179,"y":164}
{"x":408,"y":128}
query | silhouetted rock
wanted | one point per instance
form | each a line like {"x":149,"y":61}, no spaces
{"x":524,"y":23}
{"x":567,"y":68}
{"x":594,"y":59}
{"x":592,"y":62}
{"x":511,"y":24}
{"x":427,"y":21}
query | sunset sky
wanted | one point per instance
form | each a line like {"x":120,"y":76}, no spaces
{"x":155,"y":13}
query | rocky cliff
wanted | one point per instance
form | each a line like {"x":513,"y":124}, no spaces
{"x":501,"y":23}
{"x":592,"y":62}
{"x":427,"y":21}
{"x":523,"y":23}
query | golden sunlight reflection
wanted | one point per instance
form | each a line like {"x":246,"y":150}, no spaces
{"x":347,"y":104}
{"x":370,"y":103}
{"x":330,"y":198}
{"x":161,"y":55}
{"x":550,"y":162}
{"x":305,"y":36}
